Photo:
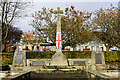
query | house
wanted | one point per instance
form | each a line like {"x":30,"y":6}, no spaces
{"x":92,"y":46}
{"x":30,"y":42}
{"x":27,"y":43}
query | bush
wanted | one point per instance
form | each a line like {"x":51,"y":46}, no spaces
{"x":7,"y":59}
{"x":39,"y":54}
{"x":77,"y":54}
{"x":48,"y":54}
{"x":112,"y":56}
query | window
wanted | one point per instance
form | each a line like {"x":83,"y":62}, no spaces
{"x":32,"y":48}
{"x":97,"y":48}
{"x":37,"y":48}
{"x":19,"y":48}
{"x":102,"y":48}
{"x":80,"y":48}
{"x":92,"y":48}
{"x":67,"y":48}
{"x":26,"y":47}
{"x":49,"y":48}
{"x":86,"y":47}
{"x":117,"y":48}
{"x":75,"y":49}
{"x":44,"y":47}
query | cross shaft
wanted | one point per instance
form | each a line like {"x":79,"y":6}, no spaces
{"x":58,"y":10}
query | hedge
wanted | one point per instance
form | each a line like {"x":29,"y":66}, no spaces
{"x":39,"y":54}
{"x":110,"y":56}
{"x":7,"y":59}
{"x":48,"y":54}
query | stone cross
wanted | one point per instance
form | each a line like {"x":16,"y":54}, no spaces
{"x":58,"y":32}
{"x":58,"y":11}
{"x":58,"y":59}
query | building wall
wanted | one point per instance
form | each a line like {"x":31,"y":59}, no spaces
{"x":35,"y":47}
{"x":71,"y":49}
{"x":53,"y":48}
{"x":81,"y":47}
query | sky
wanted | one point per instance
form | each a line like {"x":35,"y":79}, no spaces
{"x":88,"y":5}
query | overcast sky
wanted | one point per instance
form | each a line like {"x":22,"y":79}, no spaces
{"x":90,"y":6}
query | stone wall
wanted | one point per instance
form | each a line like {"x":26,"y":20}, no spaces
{"x":30,"y":61}
{"x":47,"y":61}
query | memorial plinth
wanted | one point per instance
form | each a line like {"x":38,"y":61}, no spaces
{"x":19,"y":60}
{"x":58,"y":59}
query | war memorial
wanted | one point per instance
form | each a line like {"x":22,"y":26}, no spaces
{"x":59,"y":66}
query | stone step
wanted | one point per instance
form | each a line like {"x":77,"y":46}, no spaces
{"x":101,"y":67}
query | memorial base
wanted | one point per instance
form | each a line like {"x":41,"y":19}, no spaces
{"x":59,"y":59}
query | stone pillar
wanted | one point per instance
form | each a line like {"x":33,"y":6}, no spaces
{"x":41,"y":48}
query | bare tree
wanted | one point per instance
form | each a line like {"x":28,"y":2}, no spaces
{"x":9,"y":11}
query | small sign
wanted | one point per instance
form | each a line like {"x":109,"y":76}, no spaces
{"x":38,"y":63}
{"x":98,"y":58}
{"x":79,"y":63}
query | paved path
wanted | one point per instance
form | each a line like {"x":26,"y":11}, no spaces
{"x":59,"y":76}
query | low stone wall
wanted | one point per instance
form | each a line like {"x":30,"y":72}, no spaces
{"x":87,"y":61}
{"x":47,"y":61}
{"x":30,"y":61}
{"x":113,"y":67}
{"x":104,"y":74}
{"x":21,"y":76}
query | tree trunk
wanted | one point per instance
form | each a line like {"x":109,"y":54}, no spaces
{"x":63,"y":47}
{"x":0,"y":46}
{"x":107,"y":48}
{"x":5,"y":48}
{"x":0,"y":52}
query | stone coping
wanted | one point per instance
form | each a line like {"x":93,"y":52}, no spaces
{"x":61,"y":69}
{"x":108,"y":70}
{"x":48,"y":69}
{"x":20,"y":74}
{"x":99,"y":74}
{"x":38,"y":59}
{"x":4,"y":71}
{"x":67,"y":59}
{"x":111,"y":73}
{"x":67,"y":69}
{"x":79,"y":59}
